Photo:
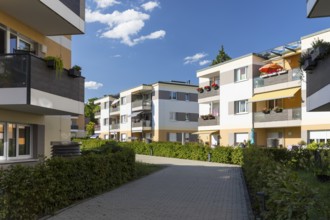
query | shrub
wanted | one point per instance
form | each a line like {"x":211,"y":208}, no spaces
{"x":32,"y":192}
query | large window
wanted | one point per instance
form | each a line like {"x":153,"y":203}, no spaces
{"x":15,"y":141}
{"x":241,"y":74}
{"x":172,"y":116}
{"x":241,"y":106}
{"x":173,"y":95}
{"x":172,"y":137}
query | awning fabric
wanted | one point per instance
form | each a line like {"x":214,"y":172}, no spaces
{"x":134,"y":114}
{"x":115,"y":101}
{"x":206,"y":132}
{"x":279,"y":94}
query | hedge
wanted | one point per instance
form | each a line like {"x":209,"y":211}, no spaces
{"x":29,"y":192}
{"x":287,"y":196}
{"x":192,"y":151}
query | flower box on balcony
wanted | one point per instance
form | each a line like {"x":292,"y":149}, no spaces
{"x":215,"y":86}
{"x":207,"y":88}
{"x":266,"y":110}
{"x":309,"y":64}
{"x":318,"y":53}
{"x":75,"y":71}
{"x":200,"y":90}
{"x":277,"y":109}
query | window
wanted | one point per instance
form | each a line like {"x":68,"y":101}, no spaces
{"x":241,"y":106}
{"x":15,"y":141}
{"x":23,"y":45}
{"x":241,"y":138}
{"x":186,"y":97}
{"x":123,"y":119}
{"x":172,"y":137}
{"x":106,"y":105}
{"x":273,"y":103}
{"x":123,"y":137}
{"x":172,"y":116}
{"x":123,"y":100}
{"x":173,"y":95}
{"x":240,"y":74}
{"x":105,"y":121}
{"x":187,"y":116}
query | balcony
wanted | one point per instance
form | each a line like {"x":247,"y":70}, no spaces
{"x":209,"y":121}
{"x":65,"y":17}
{"x":318,"y":8}
{"x":114,"y":110}
{"x":114,"y":126}
{"x":28,"y":85}
{"x":97,"y":128}
{"x":207,"y":94}
{"x":97,"y":114}
{"x":143,"y":124}
{"x":285,"y":116}
{"x":277,"y":78}
{"x":141,"y":105}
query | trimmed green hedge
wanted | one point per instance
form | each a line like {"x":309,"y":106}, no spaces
{"x":192,"y":151}
{"x":31,"y":192}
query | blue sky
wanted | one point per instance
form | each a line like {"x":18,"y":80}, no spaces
{"x":128,"y":43}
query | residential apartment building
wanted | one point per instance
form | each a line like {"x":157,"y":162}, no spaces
{"x":250,"y":101}
{"x":35,"y":102}
{"x":163,"y":111}
{"x":318,"y":8}
{"x":78,"y":126}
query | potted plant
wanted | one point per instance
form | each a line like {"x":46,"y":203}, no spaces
{"x":200,"y":90}
{"x":306,"y":62}
{"x":75,"y":71}
{"x":55,"y":63}
{"x":266,"y":110}
{"x":204,"y":117}
{"x":277,"y":109}
{"x":321,"y":48}
{"x":210,"y":116}
{"x":215,"y":86}
{"x":207,"y":88}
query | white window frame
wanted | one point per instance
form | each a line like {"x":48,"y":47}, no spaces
{"x":5,"y":156}
{"x":187,"y":97}
{"x":172,"y":116}
{"x":238,"y":73}
{"x":172,"y":137}
{"x":174,"y":95}
{"x":187,"y":117}
{"x":238,"y":106}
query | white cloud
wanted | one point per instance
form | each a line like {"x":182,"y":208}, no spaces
{"x":204,"y":62}
{"x":93,"y":85}
{"x":155,"y":35}
{"x":117,"y":56}
{"x":105,"y":3}
{"x":195,"y":58}
{"x":124,"y":26}
{"x":150,"y":6}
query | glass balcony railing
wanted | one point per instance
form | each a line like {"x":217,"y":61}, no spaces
{"x":142,"y":123}
{"x":145,"y":104}
{"x":290,"y":75}
{"x":284,"y":115}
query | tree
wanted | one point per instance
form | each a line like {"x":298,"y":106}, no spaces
{"x":90,"y":128}
{"x":91,"y":109}
{"x":221,"y":57}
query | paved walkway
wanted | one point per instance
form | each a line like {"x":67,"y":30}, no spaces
{"x":183,"y":190}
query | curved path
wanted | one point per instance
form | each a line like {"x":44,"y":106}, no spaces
{"x":185,"y":189}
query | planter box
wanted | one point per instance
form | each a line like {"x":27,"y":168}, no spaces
{"x":74,"y":73}
{"x":318,"y":53}
{"x":51,"y":64}
{"x":308,"y":64}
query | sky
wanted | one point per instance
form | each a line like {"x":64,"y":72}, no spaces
{"x":132,"y":42}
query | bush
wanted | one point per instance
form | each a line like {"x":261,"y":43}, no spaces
{"x":32,"y":192}
{"x":288,"y":197}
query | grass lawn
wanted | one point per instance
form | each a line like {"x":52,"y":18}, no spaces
{"x":323,"y":188}
{"x":143,"y":169}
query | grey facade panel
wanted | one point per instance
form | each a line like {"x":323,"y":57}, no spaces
{"x":227,"y":77}
{"x":318,"y":77}
{"x":129,"y":99}
{"x":181,"y":96}
{"x":164,"y":94}
{"x":193,"y":117}
{"x":231,"y":108}
{"x":193,"y":97}
{"x":38,"y":132}
{"x":180,"y":116}
{"x":179,"y":137}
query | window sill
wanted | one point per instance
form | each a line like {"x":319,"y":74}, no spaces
{"x":241,"y":113}
{"x":241,"y":80}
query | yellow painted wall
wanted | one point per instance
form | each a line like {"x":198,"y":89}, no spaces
{"x":290,"y":135}
{"x":289,"y":62}
{"x":53,"y":49}
{"x":261,"y":137}
{"x":225,"y":135}
{"x":294,"y":102}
